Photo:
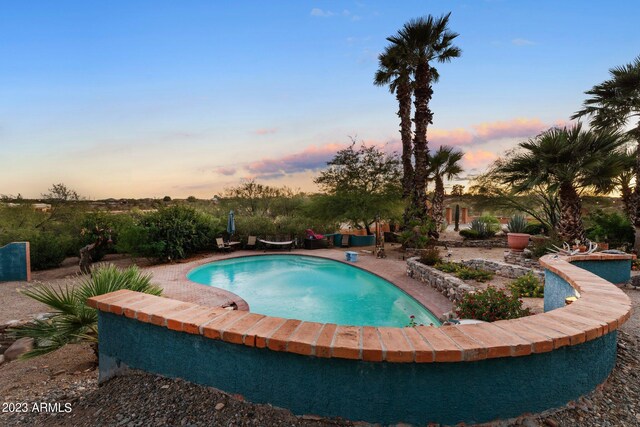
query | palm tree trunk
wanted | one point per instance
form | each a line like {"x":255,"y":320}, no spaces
{"x":438,"y":203}
{"x":635,"y":200}
{"x":403,"y":94}
{"x":422,"y":118}
{"x":570,"y":227}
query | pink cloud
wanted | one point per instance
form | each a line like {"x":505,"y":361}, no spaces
{"x":478,"y":159}
{"x":265,"y":131}
{"x":227,"y":171}
{"x":516,"y":128}
{"x":311,"y":158}
{"x":450,"y":137}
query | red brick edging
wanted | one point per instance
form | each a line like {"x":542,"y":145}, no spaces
{"x":600,"y":309}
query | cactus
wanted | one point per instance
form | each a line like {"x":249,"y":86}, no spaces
{"x":457,"y":218}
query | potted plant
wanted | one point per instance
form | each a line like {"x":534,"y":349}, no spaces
{"x":517,"y":239}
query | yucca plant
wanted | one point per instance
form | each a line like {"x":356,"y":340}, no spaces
{"x":71,"y":320}
{"x":517,"y":224}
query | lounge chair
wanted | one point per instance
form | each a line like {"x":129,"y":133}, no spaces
{"x":313,"y":235}
{"x":281,"y":245}
{"x":345,"y":241}
{"x":222,"y":246}
{"x":251,"y":242}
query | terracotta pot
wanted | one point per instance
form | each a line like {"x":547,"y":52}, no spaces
{"x":603,"y":246}
{"x":517,"y":241}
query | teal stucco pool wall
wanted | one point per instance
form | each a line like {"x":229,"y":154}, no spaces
{"x":15,"y":263}
{"x":358,"y":390}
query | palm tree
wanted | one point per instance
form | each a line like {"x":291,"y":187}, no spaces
{"x":443,"y":164}
{"x":615,"y":103}
{"x":72,"y":320}
{"x":423,"y":41}
{"x":570,"y":160}
{"x":395,"y":71}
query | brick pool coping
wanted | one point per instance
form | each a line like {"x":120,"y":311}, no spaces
{"x":600,"y":309}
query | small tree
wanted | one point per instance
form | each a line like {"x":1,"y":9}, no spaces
{"x":60,"y":193}
{"x":361,"y":184}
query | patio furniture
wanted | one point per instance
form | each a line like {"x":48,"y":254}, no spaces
{"x":313,"y":235}
{"x":251,"y":242}
{"x":316,"y":243}
{"x":279,"y":245}
{"x":222,"y":246}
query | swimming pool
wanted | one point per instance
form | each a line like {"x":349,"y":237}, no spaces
{"x":313,"y":289}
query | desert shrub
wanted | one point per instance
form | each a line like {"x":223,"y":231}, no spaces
{"x":48,"y":249}
{"x":430,"y":256}
{"x":614,"y":228}
{"x":170,"y":233}
{"x":479,"y":275}
{"x":469,"y":233}
{"x":102,"y":228}
{"x":544,"y":246}
{"x":528,"y":285}
{"x":464,"y":272}
{"x":417,"y":235}
{"x":517,"y":224}
{"x":534,"y":228}
{"x":491,"y":305}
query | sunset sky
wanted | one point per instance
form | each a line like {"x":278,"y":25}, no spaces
{"x":154,"y":98}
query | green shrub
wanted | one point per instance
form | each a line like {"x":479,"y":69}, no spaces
{"x":479,"y":275}
{"x":48,"y":249}
{"x":517,"y":224}
{"x":491,"y":305}
{"x":614,"y":228}
{"x":469,"y":233}
{"x":417,"y":235}
{"x":528,"y":285}
{"x":534,"y":228}
{"x":171,"y":233}
{"x":430,"y":256}
{"x":464,"y":272}
{"x":448,"y":267}
{"x":102,"y":228}
{"x":544,"y":246}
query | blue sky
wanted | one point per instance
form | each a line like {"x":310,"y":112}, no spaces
{"x":154,"y":98}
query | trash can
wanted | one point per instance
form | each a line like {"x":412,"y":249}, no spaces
{"x":351,"y":256}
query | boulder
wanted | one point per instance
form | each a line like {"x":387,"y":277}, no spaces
{"x":18,"y":348}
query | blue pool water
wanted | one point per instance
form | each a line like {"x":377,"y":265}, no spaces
{"x":313,"y":289}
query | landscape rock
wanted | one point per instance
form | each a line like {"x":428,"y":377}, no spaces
{"x":18,"y":348}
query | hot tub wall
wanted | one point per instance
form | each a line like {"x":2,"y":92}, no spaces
{"x":358,"y":390}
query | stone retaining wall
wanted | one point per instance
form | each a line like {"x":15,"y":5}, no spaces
{"x":521,"y":258}
{"x":447,"y":284}
{"x":502,"y":269}
{"x":487,"y":243}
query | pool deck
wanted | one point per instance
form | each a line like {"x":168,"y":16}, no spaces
{"x":173,"y":278}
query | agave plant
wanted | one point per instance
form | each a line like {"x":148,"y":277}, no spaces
{"x":517,"y":224}
{"x":71,"y":320}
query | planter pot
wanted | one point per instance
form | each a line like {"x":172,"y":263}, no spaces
{"x":517,"y":241}
{"x":603,"y":246}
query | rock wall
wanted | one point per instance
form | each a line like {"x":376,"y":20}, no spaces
{"x":502,"y":268}
{"x":487,"y":243}
{"x":521,"y":258}
{"x":450,"y":286}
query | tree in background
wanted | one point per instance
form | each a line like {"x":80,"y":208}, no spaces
{"x":570,"y":161}
{"x":615,"y":103}
{"x":360,"y":184}
{"x":457,"y":190}
{"x":443,"y":163}
{"x":421,"y":42}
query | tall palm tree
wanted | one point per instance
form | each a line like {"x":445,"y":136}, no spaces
{"x":572,"y":161}
{"x":615,"y":103}
{"x":395,"y":71}
{"x":423,"y":41}
{"x":443,"y":164}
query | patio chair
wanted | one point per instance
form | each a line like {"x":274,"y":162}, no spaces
{"x":251,"y":242}
{"x":345,"y":241}
{"x":222,"y":246}
{"x":313,"y":235}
